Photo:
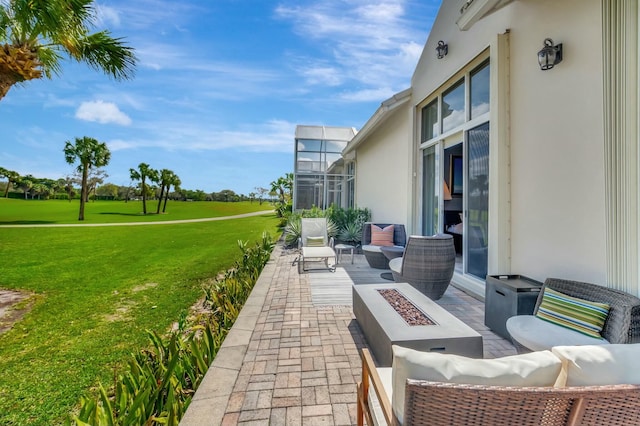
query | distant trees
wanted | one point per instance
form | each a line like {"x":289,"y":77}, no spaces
{"x":142,"y":178}
{"x":12,"y":179}
{"x":143,"y":173}
{"x":261,"y":191}
{"x":167,"y":179}
{"x":35,"y":34}
{"x":25,"y":184}
{"x":89,"y":153}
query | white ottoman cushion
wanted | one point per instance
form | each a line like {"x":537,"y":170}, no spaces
{"x":539,"y":335}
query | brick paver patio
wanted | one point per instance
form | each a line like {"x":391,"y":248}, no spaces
{"x":290,"y":362}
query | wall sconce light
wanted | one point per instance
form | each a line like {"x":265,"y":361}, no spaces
{"x":550,"y":55}
{"x":442,"y":49}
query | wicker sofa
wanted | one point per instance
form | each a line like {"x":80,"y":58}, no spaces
{"x":373,"y":253}
{"x":529,"y":333}
{"x":571,"y":398}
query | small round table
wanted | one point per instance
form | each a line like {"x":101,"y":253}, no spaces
{"x":342,"y":247}
{"x":390,"y":252}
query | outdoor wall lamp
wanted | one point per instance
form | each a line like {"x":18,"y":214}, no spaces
{"x":442,"y":49}
{"x":550,"y":55}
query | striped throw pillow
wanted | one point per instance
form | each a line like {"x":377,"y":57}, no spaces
{"x":315,"y":241}
{"x":581,"y":315}
{"x":381,"y":236}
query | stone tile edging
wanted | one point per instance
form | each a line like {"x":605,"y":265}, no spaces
{"x":210,"y":400}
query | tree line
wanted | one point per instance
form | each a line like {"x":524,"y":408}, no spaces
{"x":89,"y":155}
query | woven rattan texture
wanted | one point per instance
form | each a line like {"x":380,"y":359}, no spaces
{"x":623,"y":322}
{"x":428,"y":264}
{"x":436,"y":404}
{"x":375,"y":258}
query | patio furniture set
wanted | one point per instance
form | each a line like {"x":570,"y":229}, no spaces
{"x":568,"y":379}
{"x":577,"y":351}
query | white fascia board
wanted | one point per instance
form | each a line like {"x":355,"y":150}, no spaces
{"x":474,"y":10}
{"x":379,"y":117}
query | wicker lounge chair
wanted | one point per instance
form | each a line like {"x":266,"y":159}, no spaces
{"x":372,"y":253}
{"x":438,"y":403}
{"x":427,"y":264}
{"x":622,"y":324}
{"x":314,"y":243}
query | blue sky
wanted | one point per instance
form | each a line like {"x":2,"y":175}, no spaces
{"x":220,"y":86}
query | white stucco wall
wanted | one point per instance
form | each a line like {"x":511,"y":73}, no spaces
{"x":383,"y":181}
{"x":556,"y":129}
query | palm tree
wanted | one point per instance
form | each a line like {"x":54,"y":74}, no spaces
{"x":89,"y":153}
{"x":144,"y":171}
{"x":25,"y":184}
{"x":12,"y":179}
{"x":176,"y":182}
{"x":166,"y":180}
{"x":36,"y":34}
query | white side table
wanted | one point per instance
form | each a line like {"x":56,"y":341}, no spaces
{"x":343,"y":247}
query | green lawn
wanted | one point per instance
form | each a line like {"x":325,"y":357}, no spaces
{"x":16,"y":211}
{"x":97,"y":290}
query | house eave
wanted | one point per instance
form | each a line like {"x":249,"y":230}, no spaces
{"x":474,"y":10}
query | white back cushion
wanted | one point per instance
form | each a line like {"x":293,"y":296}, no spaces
{"x":599,"y":365}
{"x":532,"y":369}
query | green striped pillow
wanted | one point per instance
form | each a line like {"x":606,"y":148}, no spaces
{"x":581,"y":315}
{"x":315,"y":241}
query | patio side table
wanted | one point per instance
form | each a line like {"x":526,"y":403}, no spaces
{"x":343,"y":247}
{"x":506,"y":296}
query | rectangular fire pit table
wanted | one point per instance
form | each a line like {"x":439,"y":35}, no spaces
{"x":383,"y":326}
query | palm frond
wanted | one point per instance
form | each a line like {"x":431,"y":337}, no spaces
{"x":50,"y":61}
{"x":105,"y":53}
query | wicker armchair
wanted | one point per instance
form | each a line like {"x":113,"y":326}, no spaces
{"x":437,"y":403}
{"x":622,"y":324}
{"x":373,"y":254}
{"x":427,"y":264}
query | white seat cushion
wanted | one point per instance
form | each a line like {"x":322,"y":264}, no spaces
{"x":531,"y":369}
{"x":538,"y":335}
{"x":318,"y":252}
{"x":396,"y":265}
{"x":599,"y":365}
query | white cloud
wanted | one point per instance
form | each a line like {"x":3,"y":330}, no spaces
{"x":372,"y":45}
{"x":271,"y":136}
{"x":369,"y":95}
{"x":102,"y":112}
{"x":107,"y":15}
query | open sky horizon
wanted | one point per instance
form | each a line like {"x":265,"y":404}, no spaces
{"x":219,"y":86}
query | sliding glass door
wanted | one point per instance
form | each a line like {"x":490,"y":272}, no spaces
{"x":430,"y":190}
{"x":477,"y":211}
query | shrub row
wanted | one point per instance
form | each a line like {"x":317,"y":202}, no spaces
{"x":158,"y":383}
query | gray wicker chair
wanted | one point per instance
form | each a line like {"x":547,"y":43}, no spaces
{"x":427,"y":264}
{"x":374,"y":256}
{"x":623,"y":322}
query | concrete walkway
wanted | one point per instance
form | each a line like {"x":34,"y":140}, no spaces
{"x":288,"y":361}
{"x":161,"y":222}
